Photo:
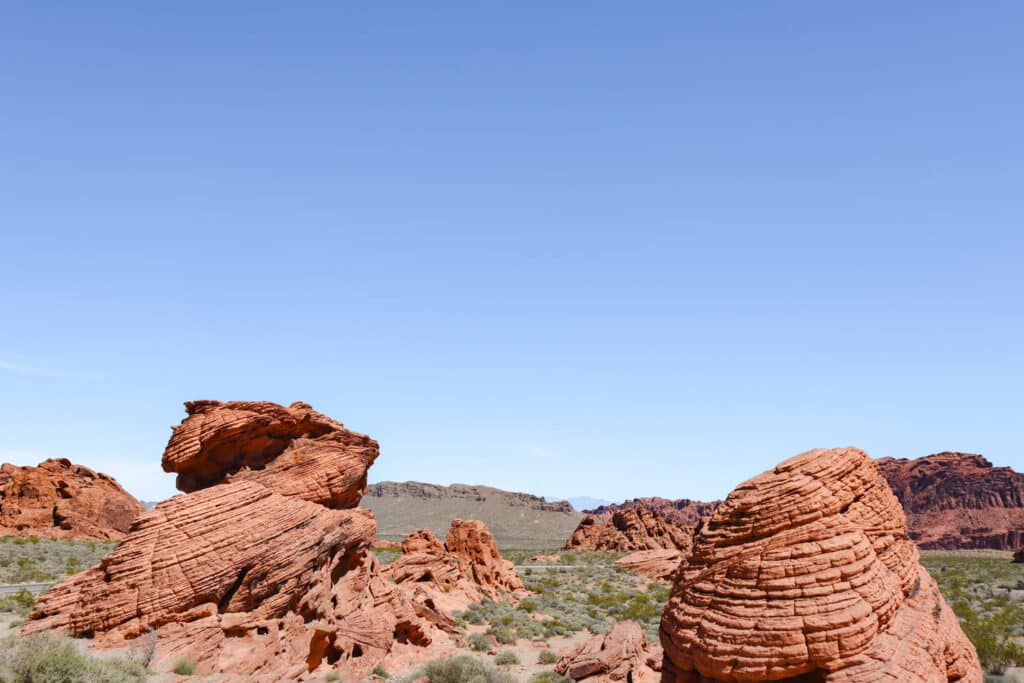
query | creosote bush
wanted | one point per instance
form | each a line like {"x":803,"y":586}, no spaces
{"x":547,"y":657}
{"x":506,"y":658}
{"x":461,"y":669}
{"x":184,"y":667}
{"x":48,"y":658}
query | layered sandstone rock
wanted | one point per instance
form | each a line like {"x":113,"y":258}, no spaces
{"x":959,"y":500}
{"x":458,"y":573}
{"x":621,"y":654}
{"x":262,"y":570}
{"x":682,"y":512}
{"x":656,"y":564}
{"x":805,"y":573}
{"x":628,"y":530}
{"x":59,"y":499}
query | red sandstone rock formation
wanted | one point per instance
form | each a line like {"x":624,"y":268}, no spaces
{"x":682,"y":512}
{"x":263,"y":569}
{"x":628,"y":530}
{"x":473,"y":542}
{"x":613,"y":656}
{"x":656,"y":564}
{"x":456,"y":574}
{"x":58,"y":499}
{"x":805,"y":573}
{"x":959,"y":500}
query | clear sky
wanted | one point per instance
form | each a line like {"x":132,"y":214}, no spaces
{"x":569,"y":248}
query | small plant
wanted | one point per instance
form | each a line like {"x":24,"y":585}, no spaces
{"x":184,"y":667}
{"x":49,"y":658}
{"x":461,"y":669}
{"x":550,"y":677}
{"x":503,"y":635}
{"x":479,"y":642}
{"x":334,"y":676}
{"x":506,"y":658}
{"x":528,"y":605}
{"x":547,"y":657}
{"x":381,"y":671}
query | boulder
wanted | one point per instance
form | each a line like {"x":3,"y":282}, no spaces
{"x":262,"y":570}
{"x":471,"y":541}
{"x":58,"y":499}
{"x":805,"y":573}
{"x":656,"y":564}
{"x":621,"y":654}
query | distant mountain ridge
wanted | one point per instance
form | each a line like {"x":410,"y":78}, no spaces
{"x":517,"y":520}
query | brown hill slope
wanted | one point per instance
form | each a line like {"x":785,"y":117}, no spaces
{"x":517,"y":520}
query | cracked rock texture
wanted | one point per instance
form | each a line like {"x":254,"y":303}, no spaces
{"x":59,"y":499}
{"x":630,"y":529}
{"x":805,"y":573}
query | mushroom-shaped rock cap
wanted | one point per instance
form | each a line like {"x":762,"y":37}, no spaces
{"x":805,"y":573}
{"x":292,"y":450}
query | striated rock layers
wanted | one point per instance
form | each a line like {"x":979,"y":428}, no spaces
{"x":657,"y":564}
{"x":682,"y":512}
{"x":959,"y":500}
{"x":262,"y":570}
{"x":621,"y":654}
{"x":59,"y":499}
{"x":453,"y":575}
{"x":805,"y":573}
{"x":628,"y":530}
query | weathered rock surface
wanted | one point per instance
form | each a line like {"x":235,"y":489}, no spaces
{"x":1018,"y":557}
{"x":959,"y":500}
{"x":683,"y":512}
{"x":59,"y":499}
{"x":622,"y":651}
{"x":464,"y":569}
{"x":805,"y":573}
{"x":656,"y":564}
{"x":628,"y":530}
{"x":262,"y":570}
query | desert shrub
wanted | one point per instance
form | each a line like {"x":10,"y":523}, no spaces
{"x":461,"y":669}
{"x":47,"y":658}
{"x":380,"y":671}
{"x":479,"y":642}
{"x":547,"y":657}
{"x":528,"y":605}
{"x":19,"y":603}
{"x":503,"y":635}
{"x":550,"y":677}
{"x":506,"y":658}
{"x":332,"y":677}
{"x":184,"y":667}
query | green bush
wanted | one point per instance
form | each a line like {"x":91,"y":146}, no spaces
{"x":48,"y":658}
{"x":528,"y":605}
{"x":503,"y":635}
{"x":381,"y":671}
{"x":19,"y":603}
{"x":461,"y":669}
{"x":506,"y":658}
{"x":332,"y":677}
{"x":184,"y":667}
{"x":479,"y":642}
{"x":550,"y":677}
{"x":547,"y":657}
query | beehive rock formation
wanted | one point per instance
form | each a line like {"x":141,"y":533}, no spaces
{"x":458,"y":573}
{"x":262,"y":570}
{"x":622,"y":651}
{"x":59,"y":499}
{"x":656,"y":564}
{"x":682,"y":512}
{"x":805,"y":573}
{"x":628,"y":530}
{"x":959,"y":500}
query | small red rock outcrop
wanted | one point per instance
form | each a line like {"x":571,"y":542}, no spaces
{"x":628,"y":530}
{"x":465,"y":568}
{"x":805,"y":573}
{"x":622,"y":651}
{"x":59,"y":499}
{"x":656,"y":564}
{"x":262,"y":570}
{"x":682,"y":512}
{"x":959,"y":500}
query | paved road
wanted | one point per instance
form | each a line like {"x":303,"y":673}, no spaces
{"x":34,"y":588}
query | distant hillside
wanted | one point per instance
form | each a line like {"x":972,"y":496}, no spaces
{"x":517,"y":520}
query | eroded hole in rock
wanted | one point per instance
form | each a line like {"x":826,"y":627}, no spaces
{"x":262,"y":630}
{"x":357,"y":651}
{"x":225,"y":599}
{"x":332,"y":653}
{"x":813,"y":677}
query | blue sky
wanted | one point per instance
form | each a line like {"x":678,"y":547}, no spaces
{"x":578,"y":249}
